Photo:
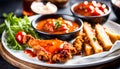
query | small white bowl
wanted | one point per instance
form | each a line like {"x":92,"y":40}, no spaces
{"x":41,"y":8}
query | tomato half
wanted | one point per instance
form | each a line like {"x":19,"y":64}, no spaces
{"x":19,"y":36}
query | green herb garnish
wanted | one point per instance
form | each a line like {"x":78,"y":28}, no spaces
{"x":57,"y":24}
{"x":94,"y":39}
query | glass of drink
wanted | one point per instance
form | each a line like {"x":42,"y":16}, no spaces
{"x":27,"y":7}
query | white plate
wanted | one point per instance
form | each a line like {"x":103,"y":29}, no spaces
{"x":84,"y":63}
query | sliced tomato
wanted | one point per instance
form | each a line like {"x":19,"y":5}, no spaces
{"x":19,"y":36}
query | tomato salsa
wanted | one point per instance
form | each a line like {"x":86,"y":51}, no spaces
{"x":90,"y":8}
{"x":56,"y":26}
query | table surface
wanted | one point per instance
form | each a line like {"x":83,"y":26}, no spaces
{"x":15,"y":6}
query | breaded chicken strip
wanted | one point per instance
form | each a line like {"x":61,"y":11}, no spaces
{"x":53,"y":50}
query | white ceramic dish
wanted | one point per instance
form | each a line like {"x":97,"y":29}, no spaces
{"x":40,"y":8}
{"x":84,"y":63}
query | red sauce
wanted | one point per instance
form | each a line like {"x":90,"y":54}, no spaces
{"x":56,"y":26}
{"x":48,"y":46}
{"x":50,"y":62}
{"x":90,"y":8}
{"x":30,"y":53}
{"x":51,"y":46}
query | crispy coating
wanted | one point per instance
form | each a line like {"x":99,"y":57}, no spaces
{"x":79,"y":42}
{"x":27,"y":38}
{"x":95,"y":39}
{"x":103,"y":37}
{"x":88,"y":49}
{"x":70,"y":48}
{"x":43,"y":49}
{"x":92,"y":38}
{"x":113,"y":35}
{"x":42,"y":55}
{"x":62,"y":56}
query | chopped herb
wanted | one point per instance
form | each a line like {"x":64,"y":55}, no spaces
{"x":57,"y":24}
{"x":94,"y":39}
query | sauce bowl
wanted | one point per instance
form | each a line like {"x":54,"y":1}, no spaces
{"x":65,"y":36}
{"x":92,"y":19}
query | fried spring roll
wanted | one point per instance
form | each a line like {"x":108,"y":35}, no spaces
{"x":88,"y":49}
{"x":103,"y":37}
{"x":92,"y":38}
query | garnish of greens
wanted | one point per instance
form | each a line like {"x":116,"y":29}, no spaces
{"x":57,"y":24}
{"x":12,"y":24}
{"x":94,"y":39}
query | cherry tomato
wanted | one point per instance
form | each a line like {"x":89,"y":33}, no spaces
{"x":19,"y":36}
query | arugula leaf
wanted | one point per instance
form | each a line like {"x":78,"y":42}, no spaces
{"x":2,"y":27}
{"x":12,"y":25}
{"x":11,"y":39}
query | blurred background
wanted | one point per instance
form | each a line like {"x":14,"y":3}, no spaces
{"x":15,"y":6}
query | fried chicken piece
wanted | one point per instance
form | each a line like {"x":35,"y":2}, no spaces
{"x":53,"y":50}
{"x":27,"y":39}
{"x":62,"y":56}
{"x":42,"y":55}
{"x":79,"y":42}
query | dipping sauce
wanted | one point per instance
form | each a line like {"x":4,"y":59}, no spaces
{"x":90,"y":8}
{"x":30,"y":53}
{"x":41,"y":8}
{"x":57,"y":26}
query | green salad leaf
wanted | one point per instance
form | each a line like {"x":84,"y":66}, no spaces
{"x":12,"y":24}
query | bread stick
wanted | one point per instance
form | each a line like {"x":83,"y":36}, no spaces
{"x":103,"y":37}
{"x":113,"y":36}
{"x":88,"y":49}
{"x":91,"y":36}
